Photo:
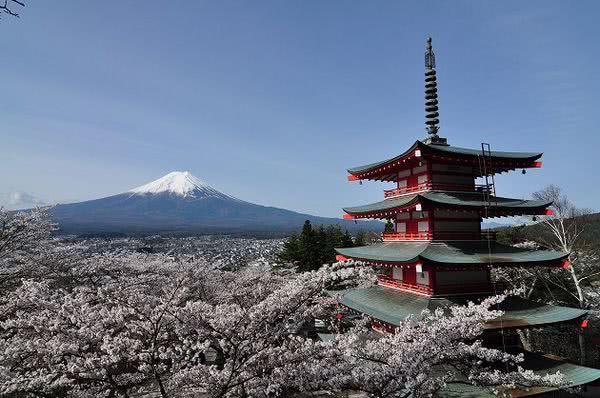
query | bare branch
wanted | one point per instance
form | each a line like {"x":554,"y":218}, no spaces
{"x":8,"y":7}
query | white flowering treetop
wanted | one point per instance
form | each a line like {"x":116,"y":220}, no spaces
{"x":135,"y":325}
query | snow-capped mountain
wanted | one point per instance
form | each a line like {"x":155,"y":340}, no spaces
{"x":19,"y":200}
{"x":181,"y":183}
{"x":181,"y":203}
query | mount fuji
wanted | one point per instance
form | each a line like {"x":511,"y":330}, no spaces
{"x":181,"y":203}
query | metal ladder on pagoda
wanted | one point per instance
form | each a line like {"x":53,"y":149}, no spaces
{"x":485,"y":169}
{"x":489,"y":197}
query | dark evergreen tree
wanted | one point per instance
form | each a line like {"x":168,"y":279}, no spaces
{"x":334,"y":238}
{"x":512,"y":235}
{"x":291,"y":249}
{"x":360,"y":239}
{"x":347,"y":240}
{"x":335,"y":235}
{"x":309,"y":249}
{"x":324,"y":245}
{"x":316,"y":246}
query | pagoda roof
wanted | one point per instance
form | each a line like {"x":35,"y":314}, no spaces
{"x":452,"y":253}
{"x":575,"y":375}
{"x":524,"y":159}
{"x":392,"y":306}
{"x":450,"y":199}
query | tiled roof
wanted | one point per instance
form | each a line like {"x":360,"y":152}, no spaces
{"x":450,"y":199}
{"x":393,"y":306}
{"x":450,"y":150}
{"x":451,"y":253}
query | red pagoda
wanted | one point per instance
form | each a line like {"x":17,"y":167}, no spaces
{"x":437,"y":255}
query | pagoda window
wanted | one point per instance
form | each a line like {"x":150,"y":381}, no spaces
{"x":401,"y":227}
{"x":402,"y":183}
{"x":423,"y":226}
{"x":422,"y":179}
{"x":397,"y":273}
{"x":423,"y":278}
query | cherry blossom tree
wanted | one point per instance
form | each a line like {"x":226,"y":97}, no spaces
{"x":24,"y":240}
{"x":88,"y":340}
{"x":564,"y":231}
{"x":150,"y":325}
{"x":22,"y":232}
{"x":427,"y":353}
{"x":150,"y":328}
{"x":29,"y":251}
{"x":142,"y":322}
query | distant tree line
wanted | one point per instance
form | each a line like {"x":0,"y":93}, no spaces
{"x":314,"y":247}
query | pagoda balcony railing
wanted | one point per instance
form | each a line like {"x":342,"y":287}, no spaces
{"x":428,"y":186}
{"x":387,"y":281}
{"x":459,"y":288}
{"x":408,"y":236}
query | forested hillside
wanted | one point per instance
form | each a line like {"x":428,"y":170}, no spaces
{"x":588,"y":224}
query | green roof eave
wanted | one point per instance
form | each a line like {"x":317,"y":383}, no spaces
{"x":575,"y":375}
{"x":371,"y":166}
{"x":500,"y":155}
{"x":458,"y":253}
{"x":397,"y":252}
{"x":484,"y":252}
{"x":519,"y":313}
{"x":387,"y":305}
{"x":384,"y":205}
{"x":459,"y":387}
{"x":452,"y":199}
{"x":477,"y":199}
{"x":393,"y":306}
{"x":452,"y":150}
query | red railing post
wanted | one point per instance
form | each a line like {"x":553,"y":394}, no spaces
{"x":388,"y":193}
{"x":484,"y":235}
{"x":406,"y":236}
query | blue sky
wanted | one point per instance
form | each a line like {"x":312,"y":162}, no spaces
{"x":270,"y":101}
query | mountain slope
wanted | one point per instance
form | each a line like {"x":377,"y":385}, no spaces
{"x":180,"y":202}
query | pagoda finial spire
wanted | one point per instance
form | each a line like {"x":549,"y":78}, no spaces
{"x":431,"y":99}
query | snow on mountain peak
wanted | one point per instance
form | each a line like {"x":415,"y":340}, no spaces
{"x":181,"y":183}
